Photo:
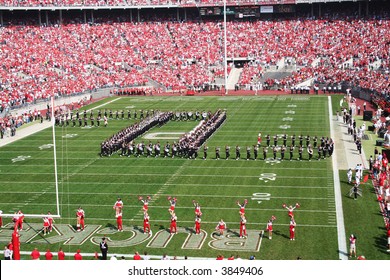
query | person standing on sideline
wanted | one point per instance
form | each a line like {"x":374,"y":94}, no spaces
{"x":355,"y":191}
{"x":349,"y":175}
{"x":35,"y":255}
{"x":104,"y":248}
{"x":78,"y":256}
{"x":15,"y":245}
{"x":60,"y":255}
{"x":352,"y":246}
{"x":48,"y":255}
{"x":7,"y":253}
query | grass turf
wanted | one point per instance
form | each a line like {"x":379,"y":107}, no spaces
{"x":93,"y":182}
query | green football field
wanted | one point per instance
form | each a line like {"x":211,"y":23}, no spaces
{"x":85,"y":179}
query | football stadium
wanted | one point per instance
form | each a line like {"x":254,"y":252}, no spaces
{"x":195,"y":129}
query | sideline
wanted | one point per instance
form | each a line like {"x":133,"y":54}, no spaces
{"x":343,"y":252}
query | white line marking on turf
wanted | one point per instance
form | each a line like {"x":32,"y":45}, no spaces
{"x":343,"y":253}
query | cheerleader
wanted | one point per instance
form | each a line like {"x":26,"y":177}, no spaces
{"x":292,"y":229}
{"x":221,"y":226}
{"x":173,"y":226}
{"x":80,"y":215}
{"x":243,"y":227}
{"x":242,"y":206}
{"x":45,"y":225}
{"x":269,"y":227}
{"x":119,"y":221}
{"x":147,"y":229}
{"x":291,"y":209}
{"x":198,"y":213}
{"x":118,"y":206}
{"x":145,"y":203}
{"x":51,"y":221}
{"x":172,"y":201}
{"x":197,"y":224}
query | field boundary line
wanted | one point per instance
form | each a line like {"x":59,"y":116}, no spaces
{"x":343,"y":253}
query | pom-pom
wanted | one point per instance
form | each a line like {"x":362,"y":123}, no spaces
{"x":297,"y":205}
{"x":149,"y":198}
{"x":284,"y":205}
{"x":246,"y":201}
{"x":238,"y":202}
{"x":193,"y":201}
{"x":273,"y":218}
{"x":175,"y":199}
{"x":140,"y":198}
{"x":169,"y":198}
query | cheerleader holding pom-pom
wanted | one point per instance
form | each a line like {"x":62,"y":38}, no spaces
{"x":291,"y":209}
{"x":242,"y":206}
{"x":145,"y":202}
{"x":221,"y":226}
{"x":269,"y":226}
{"x":198,"y":213}
{"x":172,"y":201}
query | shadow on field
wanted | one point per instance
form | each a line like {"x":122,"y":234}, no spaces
{"x":276,"y":232}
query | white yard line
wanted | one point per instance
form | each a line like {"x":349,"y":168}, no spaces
{"x":343,"y":253}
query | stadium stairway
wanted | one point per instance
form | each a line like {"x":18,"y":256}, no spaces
{"x":233,"y":78}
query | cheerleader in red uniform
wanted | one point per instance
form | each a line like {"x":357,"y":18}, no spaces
{"x":118,"y":206}
{"x":243,"y":227}
{"x":119,"y":221}
{"x":147,"y":223}
{"x":292,"y":229}
{"x":51,"y":221}
{"x":145,"y":202}
{"x":18,"y":220}
{"x":221,"y":227}
{"x":45,"y":225}
{"x":269,"y":227}
{"x":80,"y":215}
{"x":197,"y":225}
{"x":290,"y":209}
{"x":198,"y":213}
{"x":242,"y":206}
{"x":173,"y":226}
{"x":172,"y":201}
{"x":1,"y":219}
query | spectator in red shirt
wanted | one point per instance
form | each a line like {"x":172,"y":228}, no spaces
{"x":137,"y":257}
{"x":48,"y":255}
{"x":35,"y":254}
{"x":78,"y":256}
{"x":61,"y":254}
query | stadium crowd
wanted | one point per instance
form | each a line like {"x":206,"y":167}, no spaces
{"x":76,"y":57}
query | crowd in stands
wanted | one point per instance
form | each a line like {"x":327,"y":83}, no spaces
{"x":45,"y":3}
{"x":40,"y":61}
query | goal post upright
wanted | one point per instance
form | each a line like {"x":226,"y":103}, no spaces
{"x":55,"y":155}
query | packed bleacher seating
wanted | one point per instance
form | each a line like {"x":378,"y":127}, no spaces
{"x":39,"y":61}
